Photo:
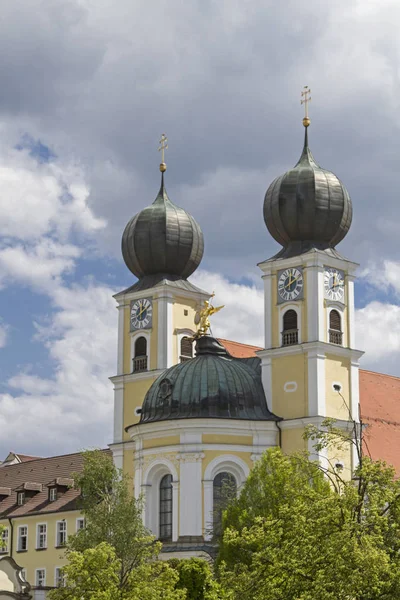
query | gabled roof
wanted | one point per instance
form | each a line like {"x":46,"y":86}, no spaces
{"x":44,"y":472}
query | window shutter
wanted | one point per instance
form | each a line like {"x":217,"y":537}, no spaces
{"x":186,"y":347}
{"x":141,"y":347}
{"x":334,"y":320}
{"x":289,"y":320}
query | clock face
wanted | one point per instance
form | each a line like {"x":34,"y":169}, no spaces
{"x":141,"y":314}
{"x":334,"y":284}
{"x":290,"y":284}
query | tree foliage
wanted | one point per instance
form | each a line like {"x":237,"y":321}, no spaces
{"x":114,"y":556}
{"x":197,"y":579}
{"x":300,"y":531}
{"x":95,"y":574}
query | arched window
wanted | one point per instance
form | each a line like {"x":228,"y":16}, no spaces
{"x":290,"y":333}
{"x":186,"y":349}
{"x":224,"y":490}
{"x":140,"y":358}
{"x":166,"y":508}
{"x":335,"y":328}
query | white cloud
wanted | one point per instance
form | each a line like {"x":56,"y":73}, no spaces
{"x":73,"y":409}
{"x":378,"y":334}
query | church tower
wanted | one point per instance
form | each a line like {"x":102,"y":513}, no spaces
{"x":162,"y":246}
{"x":310,"y":364}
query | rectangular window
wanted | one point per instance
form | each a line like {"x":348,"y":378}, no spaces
{"x":41,"y":536}
{"x":53,"y":494}
{"x":59,"y":579}
{"x":22,"y":538}
{"x":4,"y":541}
{"x":20,"y":498}
{"x":80,"y":524}
{"x":40,"y":577}
{"x":61,"y":533}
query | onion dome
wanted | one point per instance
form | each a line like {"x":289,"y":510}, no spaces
{"x":162,"y":239}
{"x":307,"y":207}
{"x":211,"y":385}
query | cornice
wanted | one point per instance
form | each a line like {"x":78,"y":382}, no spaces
{"x":209,"y":426}
{"x":129,"y":377}
{"x":158,"y":291}
{"x":302,"y":422}
{"x":316,"y":347}
{"x":313,"y":258}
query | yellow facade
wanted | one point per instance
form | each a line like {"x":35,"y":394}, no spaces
{"x":289,"y":390}
{"x":51,"y":557}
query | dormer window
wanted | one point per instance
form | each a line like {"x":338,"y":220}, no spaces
{"x":52,"y":494}
{"x":21,"y":498}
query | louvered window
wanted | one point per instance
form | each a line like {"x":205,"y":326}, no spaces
{"x":335,"y":328}
{"x":290,"y":333}
{"x":140,"y":360}
{"x":186,"y":349}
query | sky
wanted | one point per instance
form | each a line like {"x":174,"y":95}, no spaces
{"x":86,"y":89}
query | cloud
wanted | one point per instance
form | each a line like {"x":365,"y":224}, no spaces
{"x":73,"y":408}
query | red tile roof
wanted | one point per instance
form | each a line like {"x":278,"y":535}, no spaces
{"x":238,"y":350}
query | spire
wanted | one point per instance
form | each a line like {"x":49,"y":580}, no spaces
{"x":306,"y":155}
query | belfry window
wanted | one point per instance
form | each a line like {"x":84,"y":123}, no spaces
{"x":335,"y":328}
{"x":186,"y":349}
{"x":290,"y":333}
{"x":140,"y":358}
{"x":166,"y":508}
{"x":224,"y":490}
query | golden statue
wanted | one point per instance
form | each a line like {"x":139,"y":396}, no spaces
{"x":201,"y":319}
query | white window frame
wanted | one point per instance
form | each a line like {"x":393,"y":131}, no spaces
{"x":52,"y":492}
{"x":59,"y":577}
{"x":282,"y":310}
{"x":181,"y":333}
{"x":38,"y":536}
{"x":152,"y":478}
{"x":78,"y":520}
{"x":37,"y":584}
{"x":339,"y":308}
{"x":5,"y":536}
{"x":228,"y":463}
{"x":20,"y":498}
{"x":19,"y":538}
{"x":134,"y":335}
{"x":58,"y":523}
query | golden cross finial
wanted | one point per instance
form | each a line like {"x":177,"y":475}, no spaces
{"x":163,"y":147}
{"x":305,"y":99}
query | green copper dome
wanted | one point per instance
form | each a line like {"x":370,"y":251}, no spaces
{"x":211,"y":385}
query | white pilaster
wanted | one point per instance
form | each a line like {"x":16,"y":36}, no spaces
{"x":208,"y":491}
{"x":118,"y":412}
{"x":315,"y":303}
{"x":121,"y":323}
{"x":118,"y":457}
{"x":350,"y":312}
{"x":175,"y":511}
{"x":267,"y":310}
{"x":190,"y":518}
{"x":266,"y":378}
{"x":165,"y":330}
{"x":316,"y":384}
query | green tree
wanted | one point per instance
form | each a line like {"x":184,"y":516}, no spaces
{"x":300,"y":531}
{"x":114,"y":551}
{"x":197,"y":579}
{"x":94,"y":574}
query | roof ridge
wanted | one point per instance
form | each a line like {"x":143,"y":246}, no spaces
{"x":380,"y":374}
{"x":239,"y":343}
{"x":79,"y":453}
